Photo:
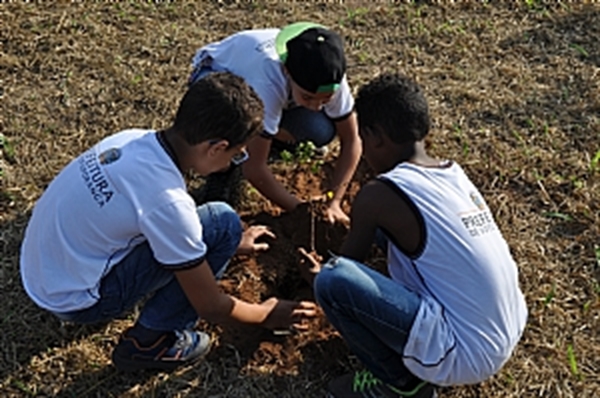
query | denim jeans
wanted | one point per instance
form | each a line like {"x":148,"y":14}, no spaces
{"x":302,"y":123}
{"x":139,"y":275}
{"x":373,"y":314}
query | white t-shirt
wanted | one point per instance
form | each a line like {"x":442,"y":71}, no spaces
{"x":123,"y":191}
{"x":472,"y":312}
{"x":251,"y":55}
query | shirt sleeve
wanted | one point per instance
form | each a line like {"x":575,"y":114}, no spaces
{"x":342,"y":103}
{"x":174,"y":233}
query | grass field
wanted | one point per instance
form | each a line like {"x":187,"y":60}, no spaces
{"x":514,"y":91}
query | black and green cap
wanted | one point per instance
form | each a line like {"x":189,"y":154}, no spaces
{"x":313,"y":56}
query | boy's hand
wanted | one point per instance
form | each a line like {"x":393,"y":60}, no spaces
{"x":288,"y":315}
{"x":310,"y":265}
{"x":335,"y":214}
{"x":248,"y":244}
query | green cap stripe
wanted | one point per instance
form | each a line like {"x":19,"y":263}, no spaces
{"x":328,"y":88}
{"x":288,"y":33}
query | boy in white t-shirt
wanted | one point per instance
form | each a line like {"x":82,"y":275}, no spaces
{"x":299,"y":73}
{"x":451,"y":311}
{"x":117,"y":225}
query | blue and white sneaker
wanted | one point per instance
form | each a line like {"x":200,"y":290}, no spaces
{"x":168,"y":352}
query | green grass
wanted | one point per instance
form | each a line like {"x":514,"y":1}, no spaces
{"x":573,"y":362}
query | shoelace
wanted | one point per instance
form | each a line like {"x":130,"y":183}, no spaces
{"x":365,"y":380}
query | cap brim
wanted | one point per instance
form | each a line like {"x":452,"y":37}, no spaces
{"x":288,"y":33}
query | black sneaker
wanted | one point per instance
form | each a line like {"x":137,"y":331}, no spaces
{"x":363,"y":384}
{"x":170,"y":351}
{"x":224,"y":186}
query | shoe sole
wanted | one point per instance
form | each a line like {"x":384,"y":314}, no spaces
{"x":131,"y":365}
{"x":330,"y":395}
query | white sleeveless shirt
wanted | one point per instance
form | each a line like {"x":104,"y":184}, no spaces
{"x":472,"y":312}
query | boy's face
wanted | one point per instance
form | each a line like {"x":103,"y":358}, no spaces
{"x":312,"y":101}
{"x":216,"y":155}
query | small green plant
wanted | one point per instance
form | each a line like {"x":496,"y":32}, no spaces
{"x":461,"y":140}
{"x":573,"y":362}
{"x":7,"y":148}
{"x":305,"y":152}
{"x":582,"y":51}
{"x":355,"y":14}
{"x":550,"y":295}
{"x":315,"y":166}
{"x":595,"y":162}
{"x":286,"y":156}
{"x":556,"y":214}
{"x":136,"y":79}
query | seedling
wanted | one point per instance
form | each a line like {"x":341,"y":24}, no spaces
{"x":286,"y":156}
{"x":305,"y":152}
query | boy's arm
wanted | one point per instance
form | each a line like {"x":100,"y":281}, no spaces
{"x":358,"y":242}
{"x":363,"y":223}
{"x":259,"y":174}
{"x":380,"y":204}
{"x":213,"y":305}
{"x":350,"y":151}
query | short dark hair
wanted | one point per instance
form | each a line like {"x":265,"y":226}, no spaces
{"x":395,"y":105}
{"x":219,"y":106}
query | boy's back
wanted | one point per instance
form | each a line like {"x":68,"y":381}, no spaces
{"x":465,"y":274}
{"x":95,"y":211}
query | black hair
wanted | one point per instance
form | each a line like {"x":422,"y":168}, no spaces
{"x":219,"y":106}
{"x":394,"y":105}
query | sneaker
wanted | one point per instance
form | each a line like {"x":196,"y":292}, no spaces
{"x":170,"y":351}
{"x":365,"y":384}
{"x":224,"y":186}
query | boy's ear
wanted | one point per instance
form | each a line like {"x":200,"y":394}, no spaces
{"x":218,"y":147}
{"x":376,"y":136}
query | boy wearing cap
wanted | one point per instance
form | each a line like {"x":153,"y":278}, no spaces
{"x":451,"y":311}
{"x":128,"y":230}
{"x":299,"y":73}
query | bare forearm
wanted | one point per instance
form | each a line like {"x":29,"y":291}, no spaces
{"x":345,"y":167}
{"x":266,"y":183}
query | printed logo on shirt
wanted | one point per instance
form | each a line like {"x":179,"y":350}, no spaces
{"x":265,"y":45}
{"x":94,"y":178}
{"x":109,"y":156}
{"x":478,"y":222}
{"x":477,"y":200}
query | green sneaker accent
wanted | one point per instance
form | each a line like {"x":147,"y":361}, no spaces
{"x":411,"y":393}
{"x":363,"y":384}
{"x":363,"y":379}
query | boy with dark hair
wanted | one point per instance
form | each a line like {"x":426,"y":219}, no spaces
{"x":451,"y":311}
{"x":117,"y":225}
{"x":299,"y":73}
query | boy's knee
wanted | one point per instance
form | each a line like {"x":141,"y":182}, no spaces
{"x":333,"y":276}
{"x":223,"y":215}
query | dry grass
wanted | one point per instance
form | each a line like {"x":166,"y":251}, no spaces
{"x":515,"y":94}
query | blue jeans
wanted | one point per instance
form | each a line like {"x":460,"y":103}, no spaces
{"x":139,"y":275}
{"x":302,"y":123}
{"x":373,"y":314}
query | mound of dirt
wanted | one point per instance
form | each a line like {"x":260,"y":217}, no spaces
{"x":276,"y":273}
